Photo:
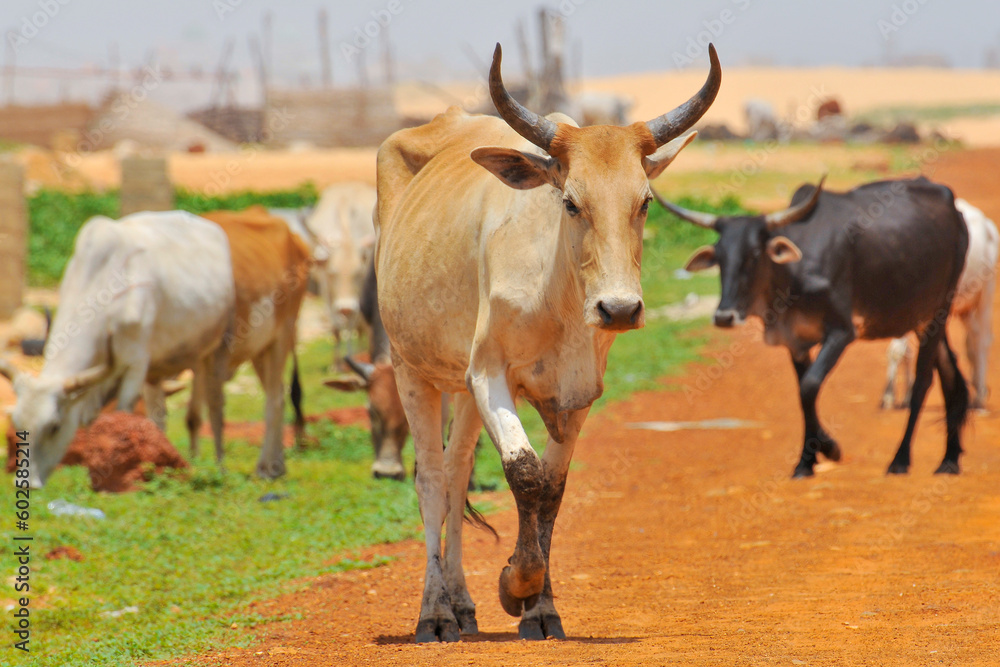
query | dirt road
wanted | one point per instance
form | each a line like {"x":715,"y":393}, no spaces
{"x":694,"y":547}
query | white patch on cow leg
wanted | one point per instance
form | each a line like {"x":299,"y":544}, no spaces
{"x":156,"y":404}
{"x":422,"y":404}
{"x":268,"y":365}
{"x":458,"y":460}
{"x":499,"y":415}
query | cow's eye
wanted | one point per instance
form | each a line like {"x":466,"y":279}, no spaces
{"x":644,"y":208}
{"x":571,"y":208}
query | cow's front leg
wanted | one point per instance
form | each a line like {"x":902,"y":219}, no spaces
{"x":522,"y":581}
{"x":811,"y":377}
{"x":422,"y":404}
{"x":542,"y":621}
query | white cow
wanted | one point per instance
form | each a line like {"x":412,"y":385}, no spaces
{"x":973,"y":304}
{"x":341,"y":224}
{"x":142,"y":299}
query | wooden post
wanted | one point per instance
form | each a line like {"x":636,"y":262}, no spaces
{"x":13,"y":238}
{"x":146,"y":185}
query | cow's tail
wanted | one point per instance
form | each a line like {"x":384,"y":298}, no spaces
{"x":295,"y":393}
{"x":957,"y":404}
{"x":476,"y":518}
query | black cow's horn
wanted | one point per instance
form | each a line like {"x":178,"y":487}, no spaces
{"x":779,"y":219}
{"x":363,"y":369}
{"x":706,"y":220}
{"x":675,"y":123}
{"x":536,"y":129}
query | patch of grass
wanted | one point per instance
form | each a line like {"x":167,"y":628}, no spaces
{"x":55,"y":218}
{"x":895,"y":114}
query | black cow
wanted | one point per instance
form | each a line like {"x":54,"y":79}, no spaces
{"x":878,"y":261}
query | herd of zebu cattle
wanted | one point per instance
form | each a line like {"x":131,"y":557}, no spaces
{"x":508,"y":259}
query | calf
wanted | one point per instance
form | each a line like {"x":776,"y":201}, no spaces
{"x":876,"y":262}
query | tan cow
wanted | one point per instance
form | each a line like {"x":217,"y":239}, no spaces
{"x":508,"y":259}
{"x":270,"y":269}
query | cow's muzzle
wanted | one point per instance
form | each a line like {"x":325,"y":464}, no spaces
{"x":727,"y":318}
{"x":620,"y":314}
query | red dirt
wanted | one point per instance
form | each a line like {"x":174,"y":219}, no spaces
{"x":695,"y":547}
{"x":64,"y":552}
{"x":119,"y":450}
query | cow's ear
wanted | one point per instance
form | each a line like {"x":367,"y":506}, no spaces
{"x":346,"y":383}
{"x":703,"y":258}
{"x":783,"y":251}
{"x":521,"y":171}
{"x":655,"y":164}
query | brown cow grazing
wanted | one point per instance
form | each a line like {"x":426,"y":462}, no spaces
{"x":508,"y":259}
{"x":270,"y":269}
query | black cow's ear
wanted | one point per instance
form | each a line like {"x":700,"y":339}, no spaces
{"x":521,"y":171}
{"x":703,"y":258}
{"x":783,"y":251}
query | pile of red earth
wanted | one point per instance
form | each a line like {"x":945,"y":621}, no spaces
{"x":119,"y":449}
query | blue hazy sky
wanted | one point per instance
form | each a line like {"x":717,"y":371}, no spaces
{"x":611,"y":36}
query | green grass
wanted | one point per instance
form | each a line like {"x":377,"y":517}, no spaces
{"x":193,"y":548}
{"x":55,"y":217}
{"x":895,"y":114}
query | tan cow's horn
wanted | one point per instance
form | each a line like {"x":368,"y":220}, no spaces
{"x":675,"y":123}
{"x":706,"y":220}
{"x":91,"y":376}
{"x":536,"y":129}
{"x":779,"y":219}
{"x":8,"y":370}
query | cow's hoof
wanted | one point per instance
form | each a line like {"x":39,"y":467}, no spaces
{"x":397,"y":476}
{"x":467,"y":621}
{"x":802,"y":472}
{"x":947,"y":468}
{"x":511,"y":603}
{"x":830,"y":449}
{"x":544,"y":627}
{"x":437,"y":629}
{"x":898,"y":468}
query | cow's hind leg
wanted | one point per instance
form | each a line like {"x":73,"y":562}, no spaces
{"x":956,"y":402}
{"x":811,"y":377}
{"x":924,"y":374}
{"x":542,"y":621}
{"x":422,"y":404}
{"x":458,"y":459}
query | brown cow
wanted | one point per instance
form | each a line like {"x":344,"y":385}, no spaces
{"x":270,"y":269}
